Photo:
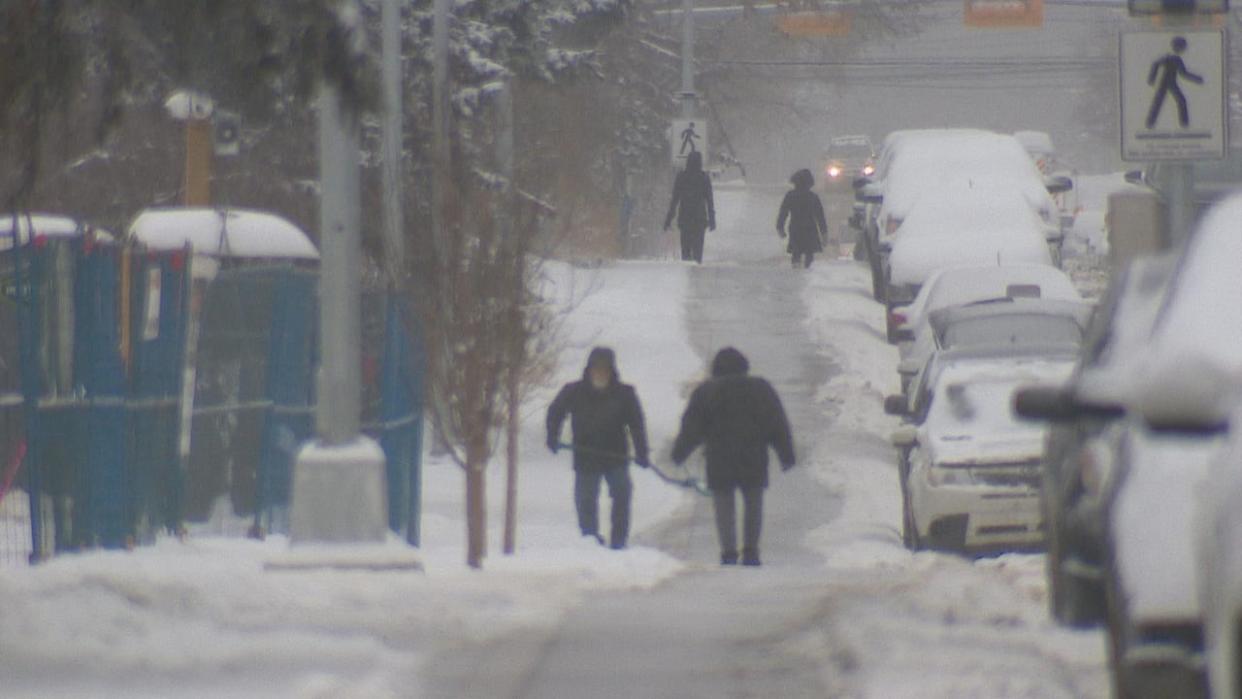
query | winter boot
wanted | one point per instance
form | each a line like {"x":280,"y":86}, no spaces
{"x":728,"y":558}
{"x":750,"y":557}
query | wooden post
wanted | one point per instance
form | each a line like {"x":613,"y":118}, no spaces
{"x":197,"y":185}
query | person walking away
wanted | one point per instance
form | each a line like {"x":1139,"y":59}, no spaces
{"x":694,"y":207}
{"x":737,"y":417}
{"x":602,"y":410}
{"x":805,"y":212}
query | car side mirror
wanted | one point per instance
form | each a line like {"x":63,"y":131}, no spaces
{"x":1134,"y":176}
{"x":905,"y":437}
{"x":1050,"y":403}
{"x":1058,"y":184}
{"x":896,"y":405}
{"x":1060,"y":404}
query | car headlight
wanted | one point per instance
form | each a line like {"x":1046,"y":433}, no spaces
{"x":834,"y":171}
{"x":868,"y":170}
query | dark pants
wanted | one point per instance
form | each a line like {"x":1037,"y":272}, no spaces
{"x":586,"y":498}
{"x":809,"y":256}
{"x":725,"y":502}
{"x":692,"y":242}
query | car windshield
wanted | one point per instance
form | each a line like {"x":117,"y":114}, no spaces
{"x":849,"y":151}
{"x":1024,"y":329}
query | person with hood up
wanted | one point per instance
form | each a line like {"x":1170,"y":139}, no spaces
{"x":602,"y":409}
{"x":737,"y":417}
{"x":693,"y":204}
{"x":807,"y":227}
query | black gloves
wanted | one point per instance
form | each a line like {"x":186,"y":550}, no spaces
{"x":553,"y":445}
{"x":643,"y":460}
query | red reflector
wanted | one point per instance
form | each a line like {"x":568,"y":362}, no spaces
{"x":40,"y":241}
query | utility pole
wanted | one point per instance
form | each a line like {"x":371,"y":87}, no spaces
{"x":394,"y":223}
{"x":689,"y":100}
{"x":338,"y":480}
{"x":517,"y":351}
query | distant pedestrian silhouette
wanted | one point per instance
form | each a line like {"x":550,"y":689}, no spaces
{"x":688,"y":137}
{"x":1169,"y":68}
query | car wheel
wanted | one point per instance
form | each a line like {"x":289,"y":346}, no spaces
{"x":909,"y":529}
{"x":1075,"y":602}
{"x":1118,"y":623}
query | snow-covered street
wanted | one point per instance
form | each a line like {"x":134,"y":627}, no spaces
{"x":839,"y":609}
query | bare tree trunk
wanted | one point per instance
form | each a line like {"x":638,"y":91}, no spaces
{"x":476,"y":506}
{"x":511,"y":461}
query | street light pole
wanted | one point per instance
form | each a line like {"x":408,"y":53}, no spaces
{"x":688,"y":98}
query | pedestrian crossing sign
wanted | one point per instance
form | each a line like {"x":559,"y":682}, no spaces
{"x":685,"y":137}
{"x":1173,"y":96}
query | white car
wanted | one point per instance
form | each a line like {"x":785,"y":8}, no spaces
{"x":1179,"y":397}
{"x":1219,"y":560}
{"x":963,"y":222}
{"x":958,"y":286}
{"x":969,"y":468}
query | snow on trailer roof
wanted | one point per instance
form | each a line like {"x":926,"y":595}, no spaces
{"x":49,"y":225}
{"x":226,"y":233}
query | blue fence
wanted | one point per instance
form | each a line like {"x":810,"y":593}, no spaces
{"x":92,"y":427}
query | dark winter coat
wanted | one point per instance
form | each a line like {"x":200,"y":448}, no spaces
{"x":737,"y":417}
{"x":599,"y":419}
{"x":805,"y":212}
{"x":692,"y":198}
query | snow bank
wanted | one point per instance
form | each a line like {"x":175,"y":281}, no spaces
{"x":925,"y":625}
{"x":204,"y":618}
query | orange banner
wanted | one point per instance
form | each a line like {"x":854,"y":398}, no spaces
{"x":1004,"y":13}
{"x":828,"y":23}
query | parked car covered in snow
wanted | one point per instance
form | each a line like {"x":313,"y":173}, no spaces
{"x":1219,"y":559}
{"x":969,"y":469}
{"x":1083,"y":438}
{"x":961,"y":223}
{"x":954,"y":286}
{"x":1007,"y":320}
{"x":1179,"y":399}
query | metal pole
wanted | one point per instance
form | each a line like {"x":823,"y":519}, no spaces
{"x":339,"y":404}
{"x":1181,"y":204}
{"x":505,"y":213}
{"x":688,"y":97}
{"x":394,"y":224}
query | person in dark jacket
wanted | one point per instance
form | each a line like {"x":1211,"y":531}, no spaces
{"x":738,"y":417}
{"x":602,"y":409}
{"x":693,"y":204}
{"x":807,"y":227}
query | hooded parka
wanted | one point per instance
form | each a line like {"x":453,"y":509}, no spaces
{"x":805,"y":213}
{"x":737,"y":417}
{"x":599,"y":418}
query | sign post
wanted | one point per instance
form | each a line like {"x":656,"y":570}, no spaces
{"x":687,"y":136}
{"x":1173,"y":109}
{"x":1173,"y":96}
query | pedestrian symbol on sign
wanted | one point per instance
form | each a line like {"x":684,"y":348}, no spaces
{"x":1169,"y":68}
{"x":688,"y":137}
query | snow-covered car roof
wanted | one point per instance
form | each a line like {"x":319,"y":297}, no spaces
{"x":952,"y":286}
{"x":971,"y":223}
{"x":231,"y":233}
{"x":914,"y":171}
{"x":48,"y":225}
